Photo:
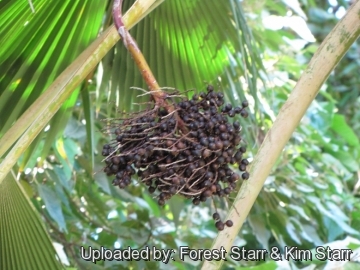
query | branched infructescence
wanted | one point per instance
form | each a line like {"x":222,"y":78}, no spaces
{"x":180,"y":147}
{"x":194,"y":164}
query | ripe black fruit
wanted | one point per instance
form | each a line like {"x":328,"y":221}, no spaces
{"x":242,"y":167}
{"x":245,"y":175}
{"x":219,"y":225}
{"x":186,"y":151}
{"x":229,"y":223}
{"x":216,"y":216}
{"x":196,"y":201}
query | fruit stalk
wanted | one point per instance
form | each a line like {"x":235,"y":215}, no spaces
{"x":131,"y":45}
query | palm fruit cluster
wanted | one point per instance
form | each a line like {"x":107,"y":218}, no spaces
{"x":192,"y":161}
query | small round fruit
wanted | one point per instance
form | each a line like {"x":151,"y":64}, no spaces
{"x":244,"y":113}
{"x":242,"y":167}
{"x":242,"y":149}
{"x":245,"y":162}
{"x":229,"y":223}
{"x":196,"y":201}
{"x":161,"y":202}
{"x":219,"y":225}
{"x":245,"y":175}
{"x":216,"y":216}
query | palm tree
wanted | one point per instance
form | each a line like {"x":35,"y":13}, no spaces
{"x":191,"y":44}
{"x":51,"y":56}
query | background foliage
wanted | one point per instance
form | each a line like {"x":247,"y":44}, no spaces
{"x":310,"y":199}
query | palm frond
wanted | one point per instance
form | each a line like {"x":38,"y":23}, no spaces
{"x":36,"y":48}
{"x":187,"y":44}
{"x":21,"y":229}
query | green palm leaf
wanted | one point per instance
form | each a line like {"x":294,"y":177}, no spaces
{"x":24,"y":243}
{"x":187,"y":44}
{"x":36,"y":48}
{"x":176,"y":39}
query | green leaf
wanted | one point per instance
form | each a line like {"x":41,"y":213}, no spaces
{"x":351,"y":266}
{"x":103,"y":182}
{"x":176,"y":205}
{"x":335,"y":163}
{"x":22,"y":232}
{"x":53,"y":205}
{"x":313,"y":234}
{"x":334,"y":230}
{"x":168,"y":239}
{"x":290,"y":228}
{"x":259,"y":228}
{"x":340,"y":126}
{"x":155,"y":210}
{"x":90,"y":124}
{"x":299,"y":210}
{"x":142,"y":214}
{"x":321,"y":115}
{"x":38,"y":47}
{"x":65,"y":180}
{"x":320,"y":15}
{"x":270,"y":265}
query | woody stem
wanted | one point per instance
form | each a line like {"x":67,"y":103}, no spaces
{"x":158,"y":95}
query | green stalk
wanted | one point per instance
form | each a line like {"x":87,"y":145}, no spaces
{"x":35,"y":118}
{"x":323,"y":62}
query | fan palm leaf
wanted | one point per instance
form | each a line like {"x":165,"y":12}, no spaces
{"x":185,"y":48}
{"x":187,"y":45}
